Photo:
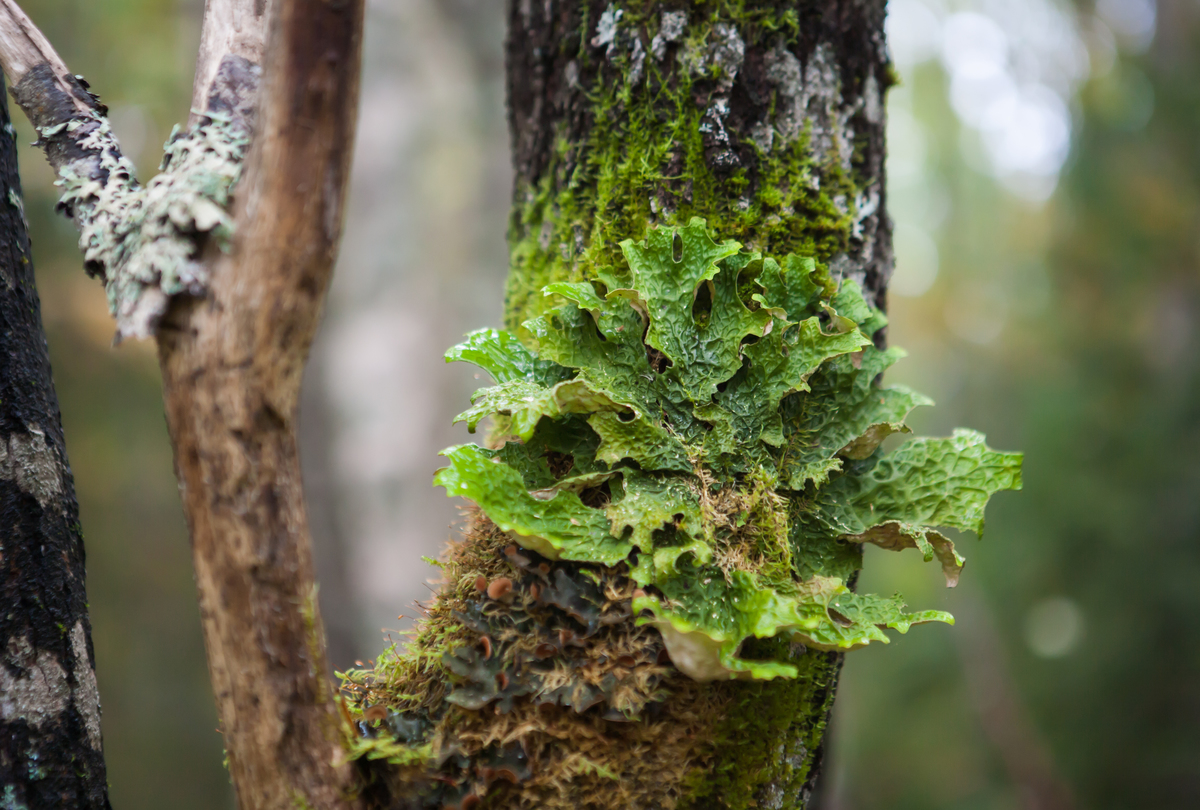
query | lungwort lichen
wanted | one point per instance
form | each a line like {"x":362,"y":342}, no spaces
{"x":713,"y":419}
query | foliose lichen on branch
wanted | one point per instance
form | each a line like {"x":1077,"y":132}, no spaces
{"x":145,"y":242}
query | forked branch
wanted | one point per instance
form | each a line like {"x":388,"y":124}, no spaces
{"x":233,"y":297}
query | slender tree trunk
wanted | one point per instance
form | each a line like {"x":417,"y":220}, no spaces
{"x":231,"y":366}
{"x":767,"y":120}
{"x":50,"y":747}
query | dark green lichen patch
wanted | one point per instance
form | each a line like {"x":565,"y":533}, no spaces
{"x":769,"y":738}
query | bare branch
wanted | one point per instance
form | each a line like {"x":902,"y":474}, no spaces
{"x":231,"y":366}
{"x":23,"y":47}
{"x":231,"y":27}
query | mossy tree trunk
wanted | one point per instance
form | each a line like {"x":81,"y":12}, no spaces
{"x":50,"y":746}
{"x":767,"y":120}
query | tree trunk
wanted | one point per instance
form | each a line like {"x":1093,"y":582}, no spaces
{"x":231,"y":365}
{"x":50,"y":747}
{"x":766,"y":120}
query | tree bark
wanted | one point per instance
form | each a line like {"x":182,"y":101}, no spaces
{"x":231,"y":367}
{"x":765,"y":119}
{"x":50,"y":743}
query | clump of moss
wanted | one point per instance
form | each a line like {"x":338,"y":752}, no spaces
{"x":526,"y":680}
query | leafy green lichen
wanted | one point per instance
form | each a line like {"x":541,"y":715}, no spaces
{"x":734,"y":459}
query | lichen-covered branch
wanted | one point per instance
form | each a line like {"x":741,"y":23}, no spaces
{"x":144,"y":242}
{"x":50,"y":744}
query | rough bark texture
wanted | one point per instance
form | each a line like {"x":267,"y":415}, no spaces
{"x":764,"y":118}
{"x":231,"y":368}
{"x":50,"y":746}
{"x":236,"y":27}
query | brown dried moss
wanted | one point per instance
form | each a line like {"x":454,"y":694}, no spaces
{"x":532,"y":699}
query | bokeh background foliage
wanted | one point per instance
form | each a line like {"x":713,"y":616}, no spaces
{"x":1043,"y":176}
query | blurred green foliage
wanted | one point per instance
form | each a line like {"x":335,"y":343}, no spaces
{"x":1076,"y":659}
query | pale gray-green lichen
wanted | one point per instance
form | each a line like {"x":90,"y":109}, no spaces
{"x":33,"y":686}
{"x":145,"y":240}
{"x":85,"y":695}
{"x":29,"y":461}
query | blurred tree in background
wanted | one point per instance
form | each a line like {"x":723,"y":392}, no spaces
{"x":1051,"y":304}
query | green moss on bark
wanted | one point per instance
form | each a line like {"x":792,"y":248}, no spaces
{"x":648,"y":154}
{"x":768,"y":742}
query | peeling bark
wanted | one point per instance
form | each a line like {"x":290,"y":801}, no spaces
{"x":50,"y":743}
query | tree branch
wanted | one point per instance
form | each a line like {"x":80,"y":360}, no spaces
{"x":145,"y":242}
{"x":231,"y":367}
{"x":23,"y":47}
{"x":234,"y":330}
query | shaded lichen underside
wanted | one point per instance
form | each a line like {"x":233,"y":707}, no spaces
{"x":644,"y":160}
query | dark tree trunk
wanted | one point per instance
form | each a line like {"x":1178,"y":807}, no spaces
{"x":50,"y":747}
{"x":767,"y":120}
